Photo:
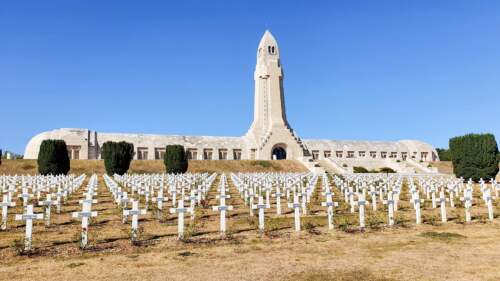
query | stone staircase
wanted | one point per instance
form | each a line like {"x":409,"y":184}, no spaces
{"x":312,"y":165}
{"x":333,"y":167}
{"x":346,"y":165}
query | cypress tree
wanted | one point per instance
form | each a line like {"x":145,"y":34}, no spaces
{"x":175,"y":159}
{"x":444,"y":154}
{"x":474,"y":156}
{"x":117,"y":156}
{"x":53,"y":158}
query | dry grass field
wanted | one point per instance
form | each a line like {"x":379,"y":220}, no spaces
{"x":12,"y":167}
{"x":432,"y":251}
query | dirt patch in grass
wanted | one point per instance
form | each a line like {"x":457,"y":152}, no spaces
{"x":341,"y":275}
{"x":442,"y":236}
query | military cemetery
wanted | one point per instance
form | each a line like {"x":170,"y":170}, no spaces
{"x":81,"y":204}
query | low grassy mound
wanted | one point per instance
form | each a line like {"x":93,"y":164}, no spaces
{"x":23,"y":166}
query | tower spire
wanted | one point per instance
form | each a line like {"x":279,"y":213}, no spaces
{"x":270,"y":125}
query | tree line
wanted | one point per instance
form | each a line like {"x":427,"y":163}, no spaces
{"x":53,"y":158}
{"x":473,"y":156}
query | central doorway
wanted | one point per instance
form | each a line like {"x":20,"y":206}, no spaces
{"x":278,"y":153}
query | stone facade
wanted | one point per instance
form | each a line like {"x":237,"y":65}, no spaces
{"x":269,"y":137}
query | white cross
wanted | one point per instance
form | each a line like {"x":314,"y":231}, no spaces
{"x":25,"y":196}
{"x":296,"y":207}
{"x":261,"y":206}
{"x":192,"y":202}
{"x":123,"y":200}
{"x":85,"y":215}
{"x":361,"y":204}
{"x":48,"y":204}
{"x":159,"y":199}
{"x":277,"y":194}
{"x":329,"y":204}
{"x":416,"y":204}
{"x":390,"y":206}
{"x":442,"y":202}
{"x":5,"y":204}
{"x":433,"y":194}
{"x":373,"y":193}
{"x":134,"y":212}
{"x":489,"y":204}
{"x":467,"y":199}
{"x":29,"y":216}
{"x":180,"y":217}
{"x":222,"y":208}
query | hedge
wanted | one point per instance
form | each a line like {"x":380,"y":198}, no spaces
{"x":175,"y":159}
{"x":117,"y":157}
{"x":474,"y":156}
{"x":53,"y":158}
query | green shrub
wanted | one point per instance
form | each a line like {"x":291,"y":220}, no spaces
{"x":262,"y":163}
{"x":360,"y":170}
{"x":444,"y":154}
{"x":474,"y":156}
{"x":117,"y":156}
{"x":53,"y":158}
{"x":386,"y":170}
{"x":175,"y":159}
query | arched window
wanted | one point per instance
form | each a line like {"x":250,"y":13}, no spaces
{"x":272,"y":49}
{"x":269,"y":49}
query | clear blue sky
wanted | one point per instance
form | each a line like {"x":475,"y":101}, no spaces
{"x":354,"y":70}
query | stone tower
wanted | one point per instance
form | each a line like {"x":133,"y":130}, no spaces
{"x":270,"y":135}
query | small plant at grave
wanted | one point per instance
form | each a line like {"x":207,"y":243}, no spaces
{"x":481,"y":218}
{"x":136,"y":233}
{"x":204,"y":204}
{"x":344,"y":165}
{"x":272,"y":226}
{"x":460,"y":218}
{"x":400,"y":220}
{"x":18,"y":246}
{"x":311,"y":227}
{"x":252,"y":221}
{"x":175,"y":159}
{"x":398,"y":161}
{"x":345,"y":223}
{"x":374,"y":220}
{"x":53,"y":158}
{"x":431,"y":219}
{"x":191,"y":230}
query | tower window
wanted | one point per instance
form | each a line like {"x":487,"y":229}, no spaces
{"x":269,"y":49}
{"x":272,"y":49}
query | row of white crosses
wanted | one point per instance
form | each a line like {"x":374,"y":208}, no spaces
{"x":222,"y":207}
{"x":20,"y":186}
{"x":260,"y":187}
{"x":121,"y":199}
{"x":440,"y":190}
{"x":86,"y":214}
{"x":37,"y":183}
{"x":159,"y":188}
